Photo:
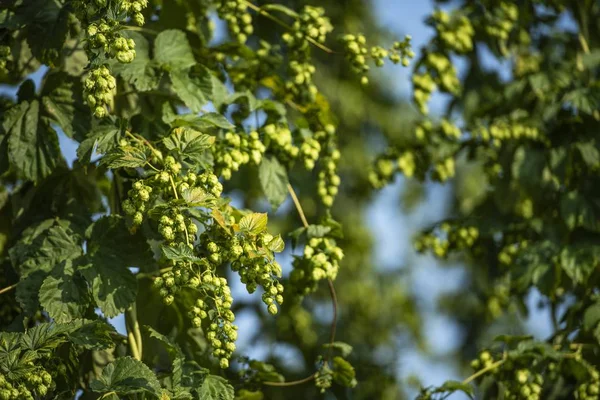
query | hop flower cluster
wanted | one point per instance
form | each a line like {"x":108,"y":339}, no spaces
{"x":99,"y":87}
{"x":501,"y":130}
{"x":239,"y":20}
{"x":507,"y":255}
{"x":443,"y":170}
{"x":253,"y":260}
{"x":279,"y":141}
{"x":526,"y":63}
{"x":105,"y":35}
{"x":456,"y":31}
{"x":136,"y":204}
{"x":251,"y":256}
{"x":502,"y":20}
{"x":251,"y":68}
{"x":5,"y":60}
{"x":236,"y":150}
{"x":219,"y":329}
{"x":358,"y":54}
{"x":439,"y":72}
{"x":134,"y":8}
{"x":311,"y":25}
{"x":320,"y":261}
{"x":328,"y":181}
{"x":447,"y":237}
{"x":589,"y":390}
{"x":519,"y":382}
{"x":309,"y":152}
{"x":387,"y":165}
{"x":32,"y":385}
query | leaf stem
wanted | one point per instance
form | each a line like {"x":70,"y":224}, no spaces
{"x":8,"y":288}
{"x":292,"y":383}
{"x":153,"y":273}
{"x":174,"y":188}
{"x":298,"y":205}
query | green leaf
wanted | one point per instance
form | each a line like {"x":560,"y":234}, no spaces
{"x":579,"y":262}
{"x":64,"y":294}
{"x":344,"y":348}
{"x":591,"y":316}
{"x":276,"y":244}
{"x":317,"y":231}
{"x":212,"y":119}
{"x":176,"y":354}
{"x":32,"y":145}
{"x":215,"y":388}
{"x":44,"y":337}
{"x":111,"y":250}
{"x":455,"y":386}
{"x":125,"y":157}
{"x":202,"y":122}
{"x":343,"y":372}
{"x":92,"y":335}
{"x":280,"y":8}
{"x":28,"y":290}
{"x":140,"y":72}
{"x":253,"y":223}
{"x":48,"y":244}
{"x":102,"y":139}
{"x":273,"y":180}
{"x":190,"y":144}
{"x":192,"y":90}
{"x":249,"y":395}
{"x":585,"y":100}
{"x":126,"y":376}
{"x":198,"y":197}
{"x":578,"y":211}
{"x":172,"y":48}
{"x":589,"y":153}
{"x":63,"y":103}
{"x":181,"y":252}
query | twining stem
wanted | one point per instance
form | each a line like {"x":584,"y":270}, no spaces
{"x":8,"y":288}
{"x":134,"y":335}
{"x":292,"y":383}
{"x":333,"y":301}
{"x":298,"y":205}
{"x":283,"y":24}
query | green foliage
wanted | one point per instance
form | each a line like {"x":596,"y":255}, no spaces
{"x":171,"y":126}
